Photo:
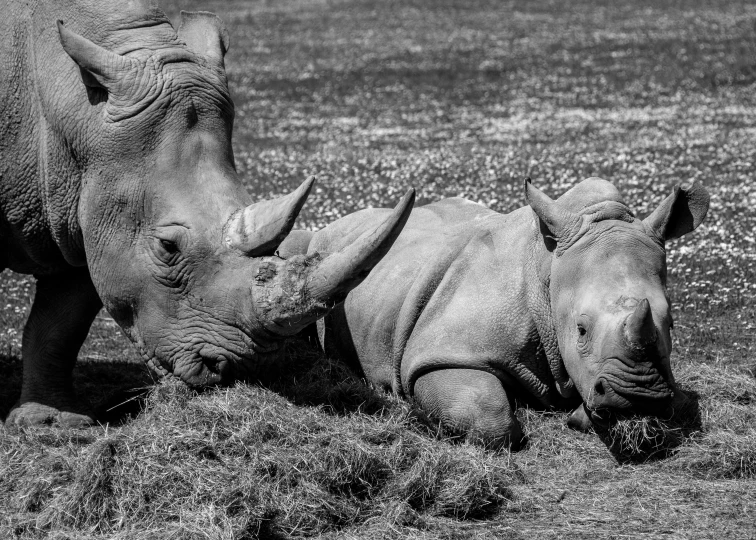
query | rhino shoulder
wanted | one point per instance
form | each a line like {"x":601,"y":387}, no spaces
{"x":458,"y":209}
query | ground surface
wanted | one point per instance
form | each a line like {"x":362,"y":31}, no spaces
{"x":453,"y":98}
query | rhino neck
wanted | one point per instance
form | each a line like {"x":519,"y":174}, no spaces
{"x":38,"y":207}
{"x":67,"y":121}
{"x":537,"y":274}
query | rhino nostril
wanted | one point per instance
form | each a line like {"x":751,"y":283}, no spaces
{"x":599,"y":388}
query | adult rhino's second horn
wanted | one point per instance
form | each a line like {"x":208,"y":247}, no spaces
{"x":639,"y":329}
{"x":340,"y":272}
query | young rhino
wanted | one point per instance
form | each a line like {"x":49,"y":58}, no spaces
{"x":562,"y":301}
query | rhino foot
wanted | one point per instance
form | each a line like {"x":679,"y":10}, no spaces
{"x":471,"y":403}
{"x":36,"y":414}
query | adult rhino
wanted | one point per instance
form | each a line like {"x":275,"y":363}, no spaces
{"x":559,"y":302}
{"x":118,"y":187}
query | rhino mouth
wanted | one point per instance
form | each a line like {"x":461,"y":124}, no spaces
{"x":222,"y":366}
{"x":218,"y":364}
{"x":215,"y":361}
{"x":603,"y":417}
{"x":637,"y":387}
{"x":207,"y":365}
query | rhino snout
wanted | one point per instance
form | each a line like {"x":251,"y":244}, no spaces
{"x":633,"y":374}
{"x":617,"y":389}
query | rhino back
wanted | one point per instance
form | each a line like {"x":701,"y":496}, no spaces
{"x":478,"y":315}
{"x":450,"y":293}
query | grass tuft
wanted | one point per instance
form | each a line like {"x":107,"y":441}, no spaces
{"x":88,"y":499}
{"x":448,"y":483}
{"x":641,"y":438}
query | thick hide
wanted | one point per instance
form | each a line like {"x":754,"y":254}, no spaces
{"x":118,"y":189}
{"x":556,"y":303}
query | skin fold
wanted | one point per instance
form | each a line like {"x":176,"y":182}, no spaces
{"x":118,"y":189}
{"x":560,"y":303}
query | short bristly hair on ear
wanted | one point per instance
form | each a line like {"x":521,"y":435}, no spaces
{"x":680,"y":213}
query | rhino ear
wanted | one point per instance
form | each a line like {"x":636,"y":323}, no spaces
{"x":205,"y":34}
{"x":680,"y":213}
{"x":100,"y":68}
{"x":557,"y":223}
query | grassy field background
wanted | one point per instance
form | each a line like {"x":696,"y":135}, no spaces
{"x":452,"y":98}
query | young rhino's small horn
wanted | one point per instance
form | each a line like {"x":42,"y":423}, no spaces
{"x":639,"y":326}
{"x":261,"y":227}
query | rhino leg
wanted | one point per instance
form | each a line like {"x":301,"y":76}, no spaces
{"x":472,"y":402}
{"x":63,"y":310}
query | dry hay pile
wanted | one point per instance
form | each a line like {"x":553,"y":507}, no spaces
{"x":247,"y":463}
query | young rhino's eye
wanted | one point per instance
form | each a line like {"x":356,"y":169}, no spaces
{"x":583,"y":343}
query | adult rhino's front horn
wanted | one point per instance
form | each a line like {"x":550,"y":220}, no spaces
{"x":293,"y":293}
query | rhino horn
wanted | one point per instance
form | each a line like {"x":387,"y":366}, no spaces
{"x":639,"y":329}
{"x":295,"y":292}
{"x":560,"y":222}
{"x":340,"y":272}
{"x":261,"y":227}
{"x":101,"y":67}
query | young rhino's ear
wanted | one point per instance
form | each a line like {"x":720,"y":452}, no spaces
{"x":205,"y":34}
{"x":680,"y":213}
{"x":557,"y":223}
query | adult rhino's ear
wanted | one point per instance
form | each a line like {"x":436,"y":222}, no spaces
{"x":680,"y":213}
{"x":100,"y":68}
{"x":557,"y":223}
{"x":205,"y":34}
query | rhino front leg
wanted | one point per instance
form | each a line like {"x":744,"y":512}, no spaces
{"x":63,"y":310}
{"x":472,"y":402}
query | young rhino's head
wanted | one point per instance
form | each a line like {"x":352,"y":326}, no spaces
{"x":608,"y":291}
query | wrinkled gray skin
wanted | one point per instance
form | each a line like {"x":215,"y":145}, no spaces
{"x":118,"y":188}
{"x":560,"y":302}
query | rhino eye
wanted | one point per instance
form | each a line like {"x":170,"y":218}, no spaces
{"x":583,"y":342}
{"x":169,"y":246}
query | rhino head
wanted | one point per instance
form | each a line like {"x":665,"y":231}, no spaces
{"x":608,"y":292}
{"x":180,"y":255}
